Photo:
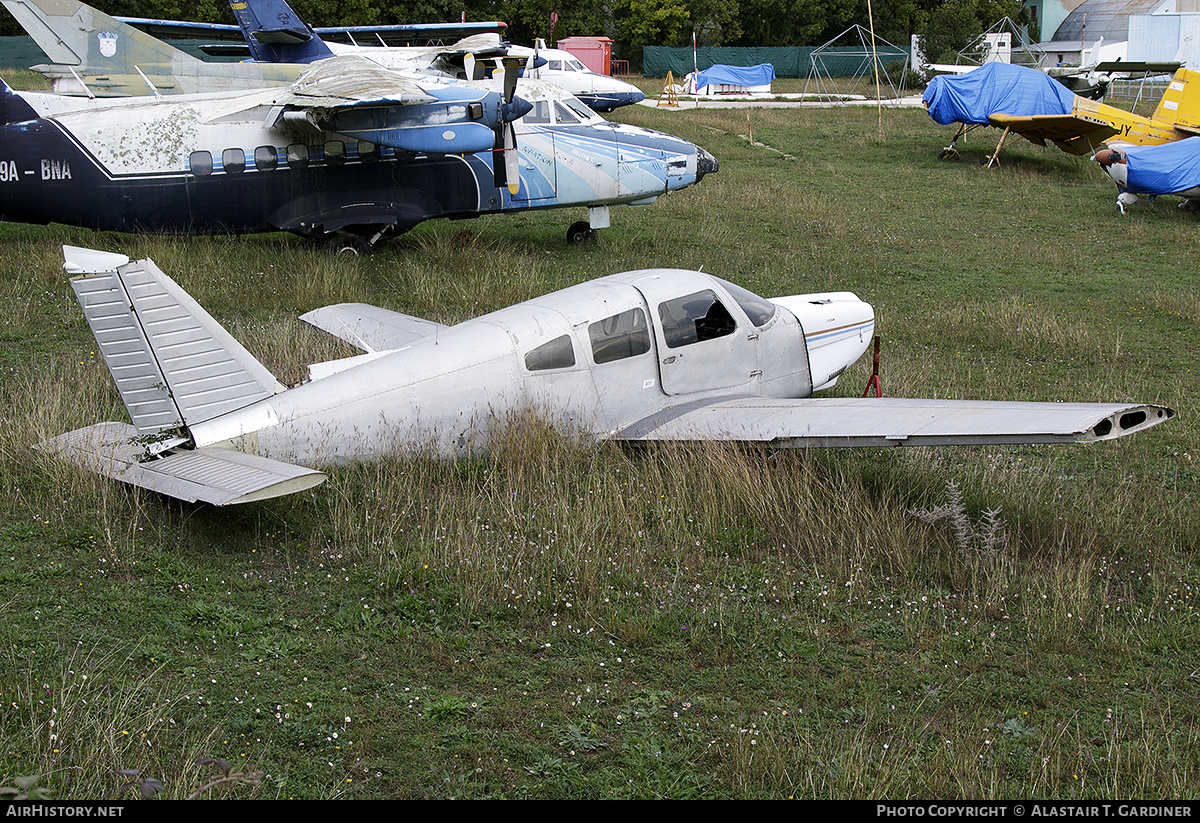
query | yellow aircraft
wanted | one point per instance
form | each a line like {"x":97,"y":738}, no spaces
{"x":1090,"y":124}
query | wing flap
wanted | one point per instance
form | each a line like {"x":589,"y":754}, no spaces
{"x":869,"y":422}
{"x":218,"y":476}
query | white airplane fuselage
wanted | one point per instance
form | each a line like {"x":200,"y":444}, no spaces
{"x":595,"y":358}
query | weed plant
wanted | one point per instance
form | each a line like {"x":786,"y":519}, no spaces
{"x":562,"y":618}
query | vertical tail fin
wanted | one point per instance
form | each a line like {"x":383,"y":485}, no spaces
{"x":276,"y":34}
{"x":174,"y":367}
{"x":173,"y":364}
{"x":76,"y":35}
{"x":1180,"y":103}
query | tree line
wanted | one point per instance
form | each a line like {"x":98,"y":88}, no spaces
{"x":945,"y":25}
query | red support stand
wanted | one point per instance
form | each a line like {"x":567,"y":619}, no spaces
{"x":874,"y":381}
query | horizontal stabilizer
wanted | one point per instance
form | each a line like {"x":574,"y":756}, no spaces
{"x":218,"y":476}
{"x":370,"y":328}
{"x":832,"y":422}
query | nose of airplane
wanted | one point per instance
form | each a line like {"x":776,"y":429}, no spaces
{"x":705,"y":164}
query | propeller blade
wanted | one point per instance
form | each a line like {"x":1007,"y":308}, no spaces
{"x":511,"y":69}
{"x":506,"y":168}
{"x":469,"y":65}
{"x":512,"y":160}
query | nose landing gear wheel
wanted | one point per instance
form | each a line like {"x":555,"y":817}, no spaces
{"x":581,"y":232}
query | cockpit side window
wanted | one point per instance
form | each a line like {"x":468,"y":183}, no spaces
{"x":555,"y":354}
{"x":564,"y":114}
{"x":620,"y":336}
{"x":575,"y":65}
{"x":540,"y":115}
{"x":577,"y":106}
{"x":758,"y":309}
{"x":694,"y":319}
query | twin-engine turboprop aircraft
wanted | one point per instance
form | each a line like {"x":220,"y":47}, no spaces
{"x":348,"y":153}
{"x":93,"y":53}
{"x":658,"y":354}
{"x":275,"y":33}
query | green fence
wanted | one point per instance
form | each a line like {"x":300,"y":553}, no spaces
{"x":788,"y":62}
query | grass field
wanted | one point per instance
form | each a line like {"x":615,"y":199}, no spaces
{"x":569,"y":620}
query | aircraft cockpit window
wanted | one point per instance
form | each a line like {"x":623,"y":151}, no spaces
{"x":233,"y":161}
{"x":540,"y":115}
{"x":265,"y":158}
{"x":564,"y":114}
{"x":557,"y":354}
{"x":694,"y":319}
{"x":620,"y":336}
{"x":758,"y":309}
{"x":335,"y":153}
{"x":367,"y":152}
{"x":554,"y":65}
{"x":577,"y":106}
{"x":575,"y":65}
{"x":297,"y":156}
{"x":200,"y":163}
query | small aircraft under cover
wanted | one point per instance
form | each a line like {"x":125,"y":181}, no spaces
{"x":1170,"y":168}
{"x":348,"y":153}
{"x":1030,"y":104}
{"x":651,"y":355}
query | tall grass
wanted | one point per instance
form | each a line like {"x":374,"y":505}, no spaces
{"x":560,"y":617}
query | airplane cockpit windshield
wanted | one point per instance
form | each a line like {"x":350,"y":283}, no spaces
{"x":758,"y":309}
{"x":566,"y":111}
{"x":565,"y":65}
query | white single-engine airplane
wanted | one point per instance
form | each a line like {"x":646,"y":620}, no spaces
{"x":658,"y":354}
{"x":348,"y":153}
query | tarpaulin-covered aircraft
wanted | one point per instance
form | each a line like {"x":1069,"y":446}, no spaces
{"x":349,"y":153}
{"x":1028,"y":103}
{"x":651,"y":355}
{"x":1169,"y":168}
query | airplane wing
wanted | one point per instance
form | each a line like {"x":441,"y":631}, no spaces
{"x":1073,"y":133}
{"x":353,"y":81}
{"x":835,"y":422}
{"x":361,"y":99}
{"x":183,"y":28}
{"x":392,"y":34}
{"x":370,"y":328}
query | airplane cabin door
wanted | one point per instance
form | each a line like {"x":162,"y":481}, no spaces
{"x":538,"y":167}
{"x":703,"y":341}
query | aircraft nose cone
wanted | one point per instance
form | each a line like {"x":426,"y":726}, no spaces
{"x":705,"y":164}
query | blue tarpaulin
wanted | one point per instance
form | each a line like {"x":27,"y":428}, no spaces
{"x":1166,"y":169}
{"x":760,"y":75}
{"x":995,"y":88}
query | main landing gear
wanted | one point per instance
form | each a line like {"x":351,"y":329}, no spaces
{"x":354,"y":242}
